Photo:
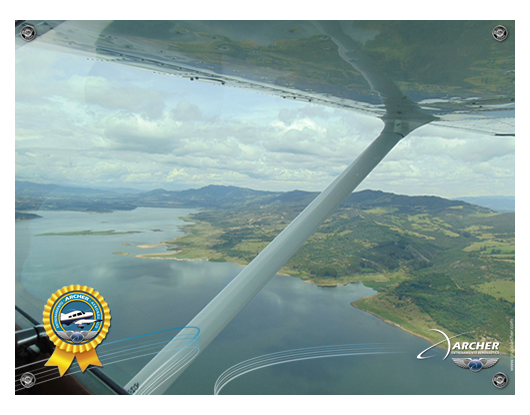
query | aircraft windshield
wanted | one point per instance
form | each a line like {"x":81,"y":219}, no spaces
{"x":153,"y":160}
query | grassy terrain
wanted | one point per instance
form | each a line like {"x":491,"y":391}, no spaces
{"x":436,"y":263}
{"x":406,"y":315}
{"x":440,"y":265}
{"x":504,"y":289}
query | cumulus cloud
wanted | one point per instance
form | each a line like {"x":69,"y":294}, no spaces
{"x":110,"y":125}
{"x":185,"y":111}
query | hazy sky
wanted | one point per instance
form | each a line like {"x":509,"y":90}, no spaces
{"x":89,"y":123}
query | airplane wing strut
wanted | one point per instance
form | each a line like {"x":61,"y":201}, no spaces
{"x":155,"y":376}
{"x":401,"y":117}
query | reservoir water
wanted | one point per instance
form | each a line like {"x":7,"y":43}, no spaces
{"x":148,"y":295}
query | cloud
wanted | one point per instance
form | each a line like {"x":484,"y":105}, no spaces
{"x":104,"y":124}
{"x":465,"y":147}
{"x":185,"y":111}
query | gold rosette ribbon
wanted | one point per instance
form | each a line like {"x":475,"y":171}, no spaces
{"x":66,"y":351}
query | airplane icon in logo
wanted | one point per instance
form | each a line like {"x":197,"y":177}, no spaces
{"x":79,"y":318}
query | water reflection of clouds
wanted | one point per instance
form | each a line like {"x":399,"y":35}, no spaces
{"x":149,"y":295}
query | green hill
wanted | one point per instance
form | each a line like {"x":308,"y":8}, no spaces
{"x":436,"y":263}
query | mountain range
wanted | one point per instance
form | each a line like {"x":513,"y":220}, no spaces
{"x":31,"y":196}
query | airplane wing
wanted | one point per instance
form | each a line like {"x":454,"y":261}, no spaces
{"x":488,"y":362}
{"x":88,"y":335}
{"x":65,"y":335}
{"x":466,"y":81}
{"x":463,"y":363}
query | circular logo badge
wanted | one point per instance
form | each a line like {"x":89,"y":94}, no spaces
{"x":500,"y":33}
{"x":500,"y":380}
{"x":27,"y":380}
{"x":76,"y":319}
{"x":28,"y":33}
{"x":475,"y":365}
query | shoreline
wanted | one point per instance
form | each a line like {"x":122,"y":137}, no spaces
{"x":147,"y":246}
{"x":309,"y":282}
{"x":385,"y":320}
{"x":390,"y":322}
{"x":188,"y":230}
{"x":168,"y":258}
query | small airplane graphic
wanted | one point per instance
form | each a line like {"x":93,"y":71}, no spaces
{"x":79,"y":318}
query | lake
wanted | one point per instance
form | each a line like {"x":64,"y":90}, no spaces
{"x":148,"y":295}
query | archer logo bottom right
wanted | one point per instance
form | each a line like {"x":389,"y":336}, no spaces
{"x":473,"y":364}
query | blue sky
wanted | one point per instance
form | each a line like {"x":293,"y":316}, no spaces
{"x":89,"y":123}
